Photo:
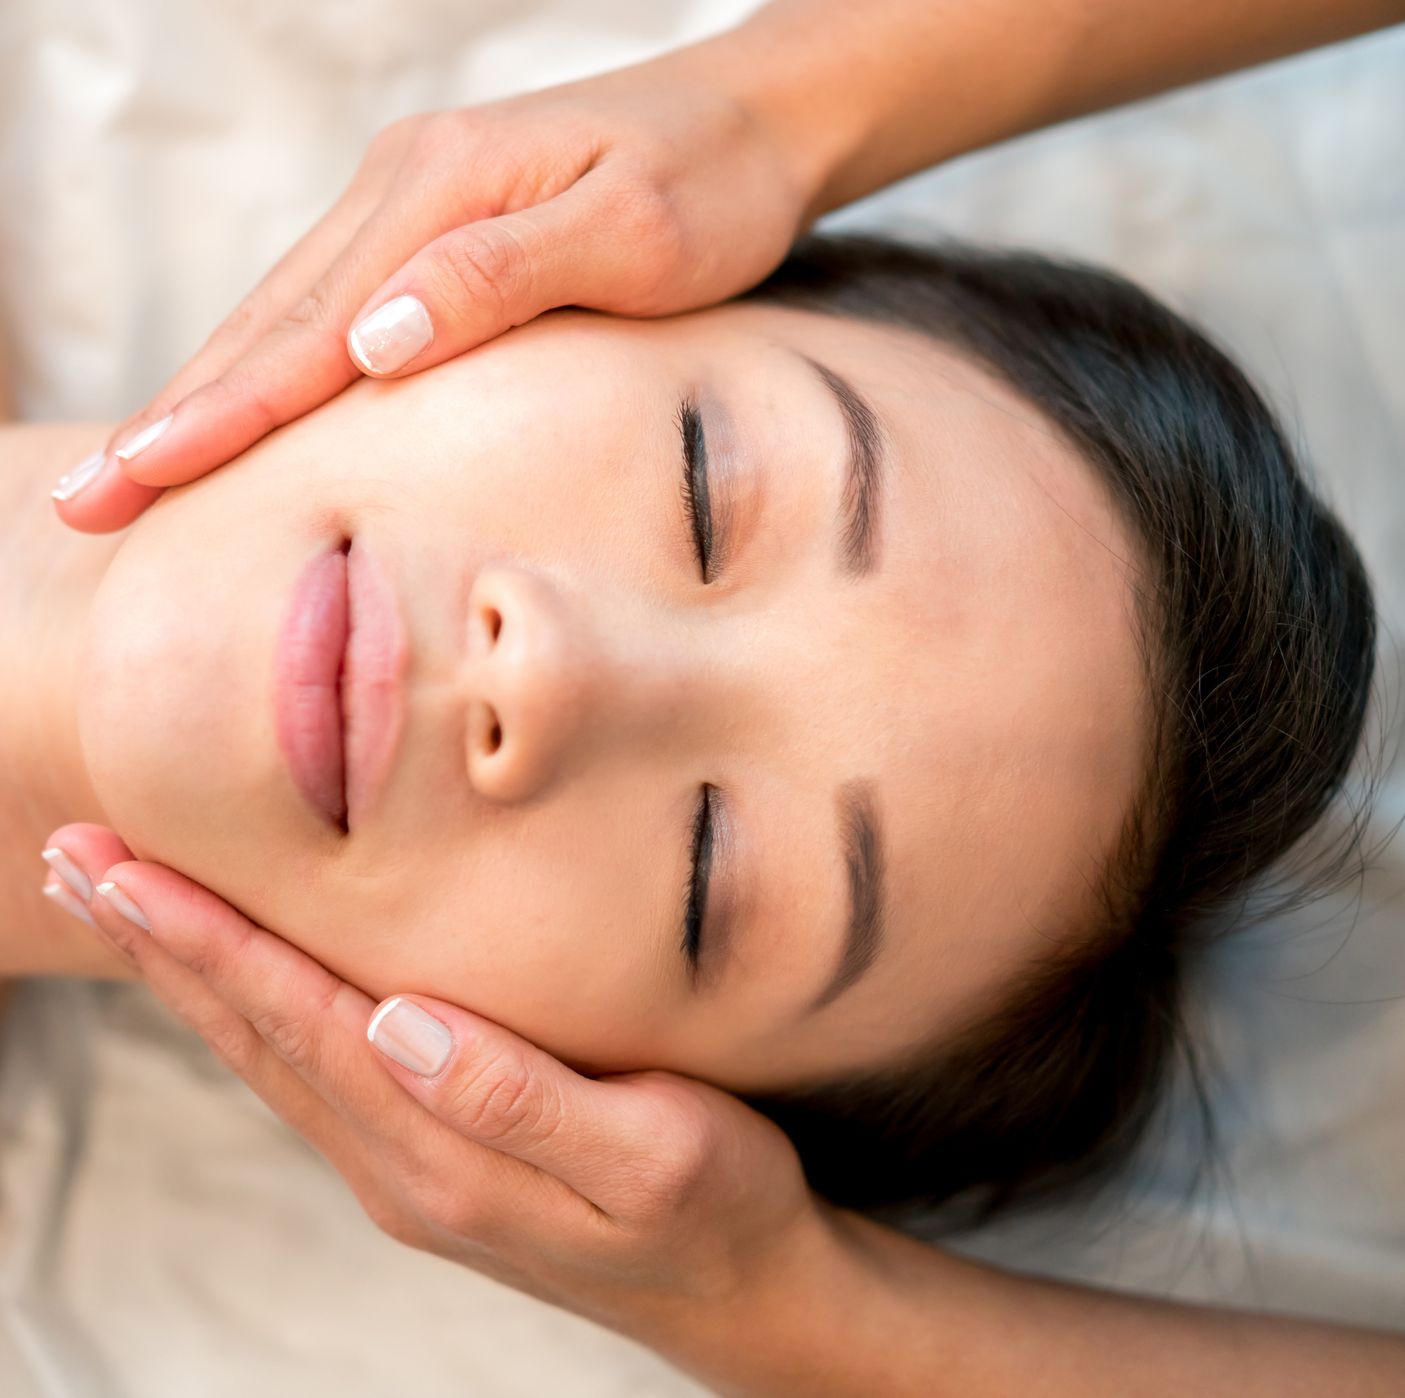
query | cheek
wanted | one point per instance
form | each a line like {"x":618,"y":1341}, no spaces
{"x":514,"y":919}
{"x":171,"y":730}
{"x":471,"y":932}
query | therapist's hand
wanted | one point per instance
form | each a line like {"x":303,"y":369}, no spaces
{"x":642,"y":192}
{"x":638,"y":1200}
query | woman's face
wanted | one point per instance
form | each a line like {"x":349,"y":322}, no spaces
{"x":910,"y":685}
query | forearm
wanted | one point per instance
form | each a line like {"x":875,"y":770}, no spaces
{"x":862,"y":1309}
{"x":863,"y":94}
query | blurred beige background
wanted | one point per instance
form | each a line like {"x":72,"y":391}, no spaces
{"x":161,"y":1234}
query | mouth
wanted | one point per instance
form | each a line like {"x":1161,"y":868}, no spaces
{"x":338,"y":666}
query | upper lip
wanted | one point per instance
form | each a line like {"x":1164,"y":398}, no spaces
{"x":338,"y":663}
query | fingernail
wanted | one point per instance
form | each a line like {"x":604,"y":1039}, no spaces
{"x":392,"y":336}
{"x":82,"y":475}
{"x":60,"y":895}
{"x":134,"y":446}
{"x":124,"y":905}
{"x":415,"y":1040}
{"x":68,"y":871}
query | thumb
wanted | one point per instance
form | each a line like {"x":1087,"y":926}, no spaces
{"x":474,"y":282}
{"x":505,"y":1093}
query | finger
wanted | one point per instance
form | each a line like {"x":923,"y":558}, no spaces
{"x":310,"y":1019}
{"x":477,"y":281}
{"x":96,"y":496}
{"x":295,"y":364}
{"x":78,"y":856}
{"x":290,"y":279}
{"x":602,"y":1139}
{"x":302,"y":359}
{"x":313,"y":1024}
{"x":410,"y":1172}
{"x":56,"y":891}
{"x":283,"y":286}
{"x":69,"y":949}
{"x":294,"y":1003}
{"x":79,"y":852}
{"x":232,"y":1038}
{"x":488,"y":1085}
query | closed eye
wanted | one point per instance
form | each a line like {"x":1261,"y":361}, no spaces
{"x":697,"y":501}
{"x":699,"y":874}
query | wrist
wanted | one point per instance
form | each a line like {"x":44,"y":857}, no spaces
{"x":779,"y":83}
{"x":800,"y":1323}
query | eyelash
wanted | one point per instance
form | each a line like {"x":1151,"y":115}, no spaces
{"x":696,"y":502}
{"x":698,"y":510}
{"x":695,"y":901}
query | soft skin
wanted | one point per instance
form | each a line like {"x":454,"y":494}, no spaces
{"x":983,"y":682}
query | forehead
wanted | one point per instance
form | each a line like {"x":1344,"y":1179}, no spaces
{"x":990,"y":683}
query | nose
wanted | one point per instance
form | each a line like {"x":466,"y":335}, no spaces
{"x":530,"y":672}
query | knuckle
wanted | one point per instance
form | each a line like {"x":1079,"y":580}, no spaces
{"x":392,"y":1218}
{"x":240,"y":324}
{"x":445,"y":1206}
{"x":310,"y":325}
{"x":476,"y":270}
{"x":452,"y":1214}
{"x":253,"y":399}
{"x":292,"y":1031}
{"x":650,"y":222}
{"x":211,"y":958}
{"x":240,"y":328}
{"x":289,"y":1034}
{"x":313,"y":311}
{"x":392,"y":140}
{"x":684,"y":1153}
{"x":501,"y":1099}
{"x":651,"y":208}
{"x":250,"y":395}
{"x":437,"y":137}
{"x":235,"y":1045}
{"x":649,"y":215}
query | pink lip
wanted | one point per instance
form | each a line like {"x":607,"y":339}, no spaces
{"x":338,"y":664}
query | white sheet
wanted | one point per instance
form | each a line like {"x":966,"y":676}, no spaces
{"x":163,"y":1234}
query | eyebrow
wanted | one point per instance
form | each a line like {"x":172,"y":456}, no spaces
{"x":862,"y":847}
{"x":864,"y":470}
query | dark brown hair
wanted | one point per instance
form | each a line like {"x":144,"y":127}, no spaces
{"x":1258,"y":633}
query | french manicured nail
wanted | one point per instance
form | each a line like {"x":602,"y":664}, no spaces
{"x":415,"y":1040}
{"x":68,"y":871}
{"x":81,"y":476}
{"x":392,"y":336}
{"x":70,"y":904}
{"x":134,"y":446}
{"x":124,"y":905}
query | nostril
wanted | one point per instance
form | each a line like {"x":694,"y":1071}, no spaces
{"x":487,"y":730}
{"x":484,"y":628}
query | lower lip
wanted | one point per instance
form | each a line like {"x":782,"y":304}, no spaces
{"x":337,"y":667}
{"x":306,"y":687}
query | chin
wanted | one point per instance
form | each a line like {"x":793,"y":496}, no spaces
{"x":178,"y":747}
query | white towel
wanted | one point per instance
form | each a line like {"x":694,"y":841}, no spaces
{"x":163,"y":1234}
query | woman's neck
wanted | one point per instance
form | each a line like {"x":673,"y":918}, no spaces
{"x":48,"y":575}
